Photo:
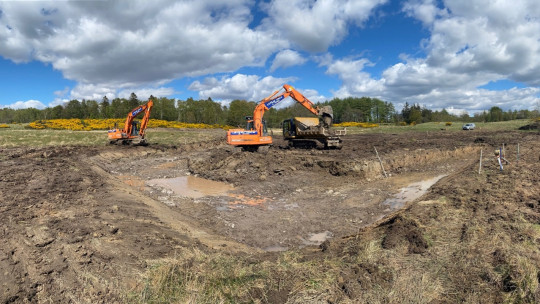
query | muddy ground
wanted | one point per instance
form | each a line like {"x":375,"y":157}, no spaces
{"x":81,"y":224}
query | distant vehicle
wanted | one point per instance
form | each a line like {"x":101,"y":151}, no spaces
{"x":469,"y":126}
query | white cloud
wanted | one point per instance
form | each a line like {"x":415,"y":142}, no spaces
{"x":287,"y":58}
{"x":356,"y":82}
{"x":136,"y":42}
{"x":316,"y":25}
{"x":58,"y":102}
{"x":471,"y":44}
{"x":249,"y":87}
{"x":239,"y":86}
{"x":423,"y":10}
{"x":27,"y":104}
{"x":97,"y":92}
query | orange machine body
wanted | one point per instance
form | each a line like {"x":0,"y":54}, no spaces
{"x":132,"y":132}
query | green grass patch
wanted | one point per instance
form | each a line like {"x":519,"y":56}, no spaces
{"x":439,"y":127}
{"x":203,"y":277}
{"x":18,"y":136}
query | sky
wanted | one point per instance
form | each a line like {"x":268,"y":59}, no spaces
{"x":464,"y":56}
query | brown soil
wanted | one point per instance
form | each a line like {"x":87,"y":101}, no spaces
{"x":81,"y":224}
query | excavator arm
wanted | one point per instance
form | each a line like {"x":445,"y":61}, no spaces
{"x":289,"y":91}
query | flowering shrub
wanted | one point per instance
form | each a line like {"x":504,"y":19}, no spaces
{"x":448,"y":123}
{"x":3,"y":126}
{"x":356,"y":124}
{"x":105,"y":124}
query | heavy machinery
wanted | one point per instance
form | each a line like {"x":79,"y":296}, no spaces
{"x":132,"y":133}
{"x":255,"y":136}
{"x":305,"y":132}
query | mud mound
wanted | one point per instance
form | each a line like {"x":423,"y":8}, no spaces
{"x":402,"y":230}
{"x":232,"y":166}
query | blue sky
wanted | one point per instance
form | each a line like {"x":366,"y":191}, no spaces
{"x":461,"y":55}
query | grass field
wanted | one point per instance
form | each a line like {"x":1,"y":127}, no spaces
{"x":17,"y":135}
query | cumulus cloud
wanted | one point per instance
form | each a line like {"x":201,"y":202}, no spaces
{"x":287,"y":58}
{"x":97,"y":92}
{"x":316,"y":25}
{"x":239,"y":86}
{"x":488,"y":37}
{"x":36,"y":104}
{"x":423,"y":10}
{"x":137,"y":43}
{"x":470,"y":46}
{"x":248,"y":87}
{"x":356,"y":82}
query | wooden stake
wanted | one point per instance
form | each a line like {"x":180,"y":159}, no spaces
{"x":518,"y":154}
{"x":380,"y":161}
{"x":480,"y":164}
{"x":499,"y":159}
{"x":503,"y":155}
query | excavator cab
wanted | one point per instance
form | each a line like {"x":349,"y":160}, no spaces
{"x":135,"y":128}
{"x":251,"y":126}
{"x":249,"y":123}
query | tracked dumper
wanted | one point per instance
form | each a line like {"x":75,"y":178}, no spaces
{"x":305,"y":132}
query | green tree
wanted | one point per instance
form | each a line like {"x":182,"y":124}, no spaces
{"x":73,"y":109}
{"x":92,"y":109}
{"x":133,"y":102}
{"x":495,"y":114}
{"x":238,"y":110}
{"x":105,"y":108}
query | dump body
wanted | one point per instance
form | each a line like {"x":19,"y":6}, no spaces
{"x":305,"y":132}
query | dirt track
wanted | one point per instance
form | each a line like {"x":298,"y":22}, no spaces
{"x":80,"y":224}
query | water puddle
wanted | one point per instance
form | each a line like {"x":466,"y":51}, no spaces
{"x":275,"y":248}
{"x":411,"y":192}
{"x":317,"y":238}
{"x":191,"y":186}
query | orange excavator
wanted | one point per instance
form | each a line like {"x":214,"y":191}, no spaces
{"x":132,"y":133}
{"x":255,"y":136}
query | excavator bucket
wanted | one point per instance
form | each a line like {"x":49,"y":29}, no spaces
{"x":327,"y":116}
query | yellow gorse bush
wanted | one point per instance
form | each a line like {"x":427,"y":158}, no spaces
{"x":357,"y":124}
{"x":106,"y":124}
{"x":4,"y":126}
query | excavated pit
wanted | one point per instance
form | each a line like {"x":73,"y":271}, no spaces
{"x":289,"y":198}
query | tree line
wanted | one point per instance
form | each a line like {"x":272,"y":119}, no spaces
{"x":351,"y":109}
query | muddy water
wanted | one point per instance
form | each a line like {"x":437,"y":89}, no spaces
{"x":191,"y":186}
{"x":411,"y":192}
